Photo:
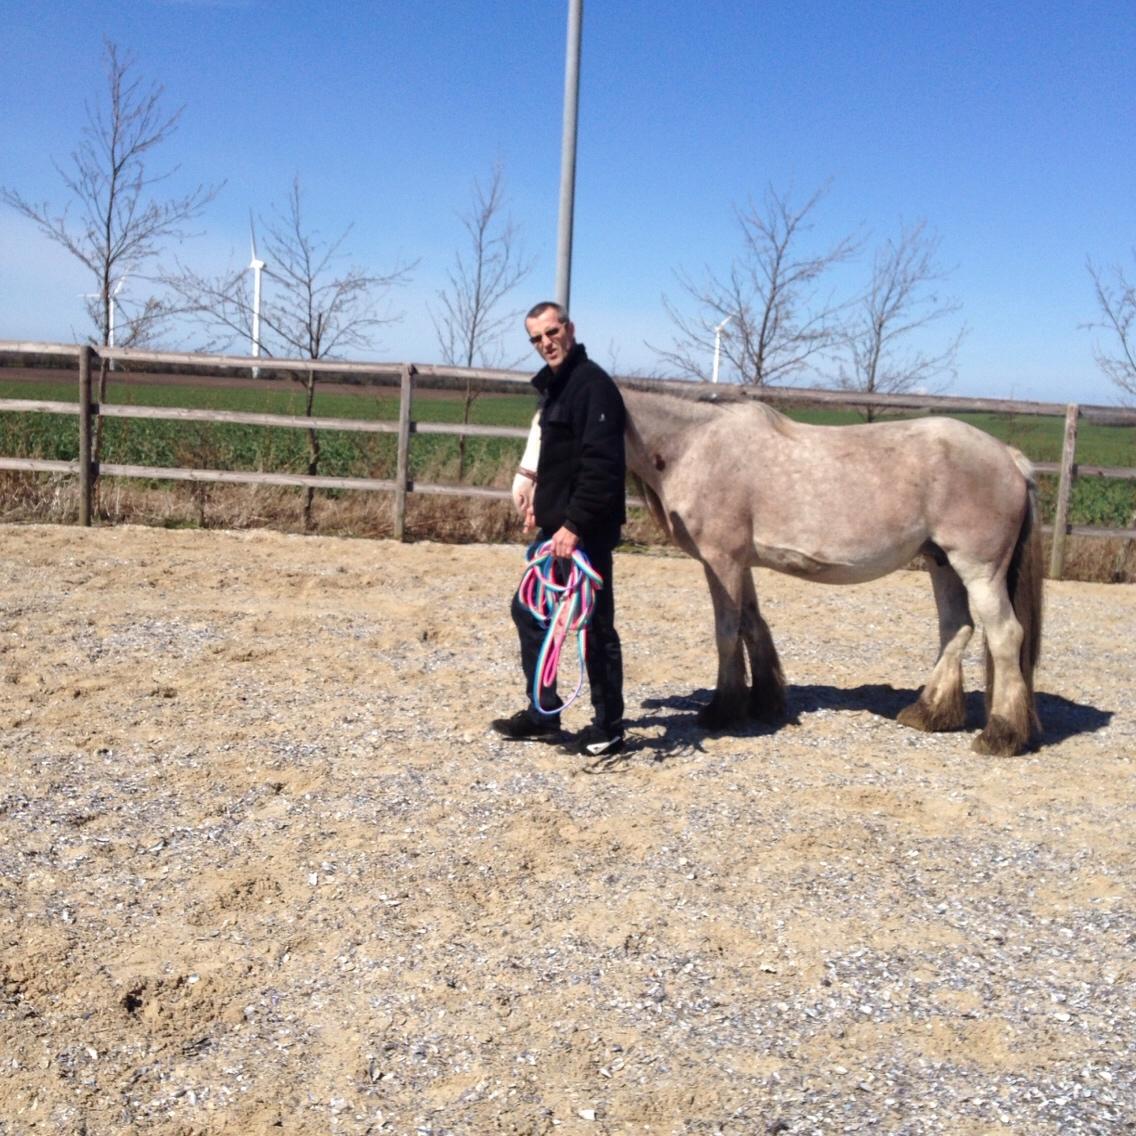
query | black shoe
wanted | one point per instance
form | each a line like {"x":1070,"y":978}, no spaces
{"x":592,"y":741}
{"x":522,"y":727}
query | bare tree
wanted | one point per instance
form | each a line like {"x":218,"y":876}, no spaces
{"x":1116,"y":299}
{"x":779,"y":316}
{"x":115,"y":222}
{"x":470,"y":324}
{"x":900,"y":302}
{"x":317,"y":307}
{"x":221,"y":307}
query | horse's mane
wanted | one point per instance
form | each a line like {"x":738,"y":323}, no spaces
{"x":697,"y":402}
{"x":708,"y":393}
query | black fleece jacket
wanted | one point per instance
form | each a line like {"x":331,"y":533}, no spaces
{"x":581,"y":475}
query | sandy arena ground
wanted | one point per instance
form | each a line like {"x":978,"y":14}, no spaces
{"x":264,"y":869}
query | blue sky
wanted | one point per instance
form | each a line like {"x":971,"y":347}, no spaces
{"x":1008,"y":128}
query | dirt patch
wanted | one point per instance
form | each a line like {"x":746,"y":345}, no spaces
{"x":263,"y":868}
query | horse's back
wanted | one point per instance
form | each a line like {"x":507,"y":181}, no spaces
{"x":844,"y":504}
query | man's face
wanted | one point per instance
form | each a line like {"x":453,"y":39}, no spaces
{"x":551,"y":338}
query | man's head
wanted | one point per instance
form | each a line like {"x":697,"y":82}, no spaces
{"x":551,"y":332}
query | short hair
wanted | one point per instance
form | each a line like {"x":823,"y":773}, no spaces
{"x":543,"y":306}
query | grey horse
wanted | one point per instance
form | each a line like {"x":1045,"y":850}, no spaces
{"x":737,"y":485}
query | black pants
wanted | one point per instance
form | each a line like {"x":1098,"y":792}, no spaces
{"x":604,"y":658}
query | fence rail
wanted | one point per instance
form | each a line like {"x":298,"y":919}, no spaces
{"x":88,"y":411}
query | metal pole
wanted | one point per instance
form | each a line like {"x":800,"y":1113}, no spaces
{"x":568,"y":153}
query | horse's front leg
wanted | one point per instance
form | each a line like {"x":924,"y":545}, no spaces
{"x":729,"y":704}
{"x":767,"y":692}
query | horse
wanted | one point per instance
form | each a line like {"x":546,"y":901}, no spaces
{"x":738,"y":485}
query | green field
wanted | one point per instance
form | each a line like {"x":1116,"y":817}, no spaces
{"x":487,"y":461}
{"x":226,"y":446}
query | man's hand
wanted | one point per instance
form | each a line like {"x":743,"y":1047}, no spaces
{"x":564,"y":542}
{"x":523,"y":488}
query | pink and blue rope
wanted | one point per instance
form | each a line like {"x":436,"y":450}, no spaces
{"x":563,"y":606}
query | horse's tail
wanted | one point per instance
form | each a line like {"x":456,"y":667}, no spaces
{"x":1024,"y":579}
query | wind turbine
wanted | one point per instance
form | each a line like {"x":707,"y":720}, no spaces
{"x":256,"y":265}
{"x":110,"y":313}
{"x":110,"y":310}
{"x":718,"y":344}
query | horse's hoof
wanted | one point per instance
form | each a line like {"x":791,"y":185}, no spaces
{"x":768,"y":711}
{"x":929,"y":719}
{"x":1000,"y":739}
{"x":716,"y":716}
{"x":709,"y":718}
{"x":913,"y":717}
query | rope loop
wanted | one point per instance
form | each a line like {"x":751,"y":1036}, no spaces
{"x":560,"y":594}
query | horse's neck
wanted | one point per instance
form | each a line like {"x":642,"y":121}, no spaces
{"x":656,"y":428}
{"x":638,"y":453}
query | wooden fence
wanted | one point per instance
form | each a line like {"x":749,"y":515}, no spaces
{"x":407,"y":375}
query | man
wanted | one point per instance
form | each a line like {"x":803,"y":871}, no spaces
{"x":577,"y":502}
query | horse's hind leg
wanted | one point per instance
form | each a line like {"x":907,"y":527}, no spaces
{"x":941,"y":705}
{"x":728,"y":705}
{"x":767,"y":689}
{"x":1009,"y":704}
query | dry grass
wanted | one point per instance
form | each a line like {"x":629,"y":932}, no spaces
{"x":36,"y":498}
{"x":1103,"y":560}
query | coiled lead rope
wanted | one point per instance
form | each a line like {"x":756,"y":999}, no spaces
{"x":563,"y":605}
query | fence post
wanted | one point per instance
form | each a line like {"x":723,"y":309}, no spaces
{"x":402,"y":467}
{"x":86,"y":466}
{"x":1064,"y":490}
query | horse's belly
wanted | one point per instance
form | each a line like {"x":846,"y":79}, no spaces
{"x":835,"y":566}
